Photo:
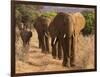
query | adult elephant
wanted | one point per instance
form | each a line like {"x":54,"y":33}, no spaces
{"x":41,"y":26}
{"x":65,"y":29}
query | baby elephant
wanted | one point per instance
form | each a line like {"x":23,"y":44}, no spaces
{"x":25,"y":36}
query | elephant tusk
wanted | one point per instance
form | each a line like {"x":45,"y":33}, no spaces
{"x":46,"y":34}
{"x":64,"y":35}
{"x":55,"y":40}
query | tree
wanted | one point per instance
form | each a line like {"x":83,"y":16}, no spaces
{"x":26,"y":13}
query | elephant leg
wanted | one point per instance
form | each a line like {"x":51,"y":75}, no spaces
{"x":54,"y":51}
{"x":43,"y":45}
{"x":46,"y":44}
{"x":65,"y":57}
{"x":39,"y":41}
{"x":59,"y":50}
{"x":28,"y":42}
{"x":24,"y":44}
{"x":72,"y":55}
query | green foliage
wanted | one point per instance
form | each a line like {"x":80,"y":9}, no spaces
{"x":90,"y":22}
{"x":18,"y":17}
{"x":26,"y":13}
{"x":49,"y":14}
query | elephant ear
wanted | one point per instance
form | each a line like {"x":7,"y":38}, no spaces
{"x":79,"y":21}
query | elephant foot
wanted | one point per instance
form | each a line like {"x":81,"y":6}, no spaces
{"x":45,"y":52}
{"x":72,"y":65}
{"x":65,"y":64}
{"x":42,"y":51}
{"x":59,"y":58}
{"x":54,"y":57}
{"x":39,"y":47}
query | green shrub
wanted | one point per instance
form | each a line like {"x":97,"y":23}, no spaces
{"x":49,"y":14}
{"x":26,"y":13}
{"x":90,"y":22}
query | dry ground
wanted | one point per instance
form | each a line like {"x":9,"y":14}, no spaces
{"x":35,"y":61}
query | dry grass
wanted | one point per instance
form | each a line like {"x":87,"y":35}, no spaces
{"x":35,"y":61}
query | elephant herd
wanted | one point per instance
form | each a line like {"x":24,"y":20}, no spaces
{"x":64,"y":30}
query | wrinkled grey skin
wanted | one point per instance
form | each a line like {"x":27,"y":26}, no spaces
{"x":41,"y":26}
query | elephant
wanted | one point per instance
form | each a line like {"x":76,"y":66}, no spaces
{"x":65,"y":29}
{"x":25,"y":36}
{"x":19,"y":28}
{"x":55,"y":43}
{"x":24,"y":32}
{"x":41,"y":26}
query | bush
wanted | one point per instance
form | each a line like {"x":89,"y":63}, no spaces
{"x":49,"y":14}
{"x":26,"y":13}
{"x":90,"y":22}
{"x":18,"y":17}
